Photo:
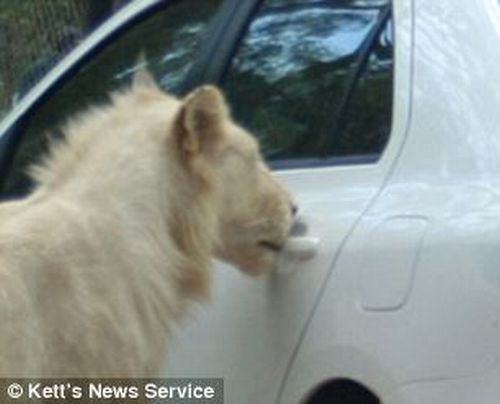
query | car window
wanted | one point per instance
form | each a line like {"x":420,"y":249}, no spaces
{"x":167,"y":42}
{"x":35,"y":35}
{"x":313,"y":79}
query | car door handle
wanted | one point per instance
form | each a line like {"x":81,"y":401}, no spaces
{"x":301,"y":248}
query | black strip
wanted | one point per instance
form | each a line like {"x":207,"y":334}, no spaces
{"x":235,"y":30}
{"x":199,"y":72}
{"x":364,"y":54}
{"x":8,"y":145}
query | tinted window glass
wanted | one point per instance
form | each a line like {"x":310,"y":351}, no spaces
{"x":169,"y":42}
{"x":298,"y":79}
{"x":35,"y":35}
{"x":364,"y":125}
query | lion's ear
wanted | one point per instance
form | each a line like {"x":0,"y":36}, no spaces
{"x":199,"y":124}
{"x":143,"y":79}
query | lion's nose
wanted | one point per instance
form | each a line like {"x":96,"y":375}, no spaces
{"x":294,"y":208}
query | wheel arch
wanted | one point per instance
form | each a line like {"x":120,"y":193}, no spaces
{"x":341,"y":391}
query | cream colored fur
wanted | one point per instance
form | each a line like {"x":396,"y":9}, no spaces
{"x":101,"y":260}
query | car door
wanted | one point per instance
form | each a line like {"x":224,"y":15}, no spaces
{"x":316,"y":82}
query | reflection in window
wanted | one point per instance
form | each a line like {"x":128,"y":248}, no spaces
{"x":289,"y":78}
{"x":365,"y":124}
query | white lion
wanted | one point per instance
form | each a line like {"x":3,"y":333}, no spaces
{"x":98,"y":263}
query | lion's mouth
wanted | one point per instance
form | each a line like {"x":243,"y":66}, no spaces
{"x":270,"y":245}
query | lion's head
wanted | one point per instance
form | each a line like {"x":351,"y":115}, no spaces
{"x":254,"y":211}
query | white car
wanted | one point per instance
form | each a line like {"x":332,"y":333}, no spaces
{"x":383,"y":118}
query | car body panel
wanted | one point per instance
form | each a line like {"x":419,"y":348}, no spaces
{"x":447,"y":333}
{"x":254,"y":325}
{"x":391,"y":255}
{"x":479,"y":389}
{"x":427,"y":211}
{"x":263,"y":321}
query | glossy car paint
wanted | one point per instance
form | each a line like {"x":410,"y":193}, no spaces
{"x":403,"y":294}
{"x":441,"y":345}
